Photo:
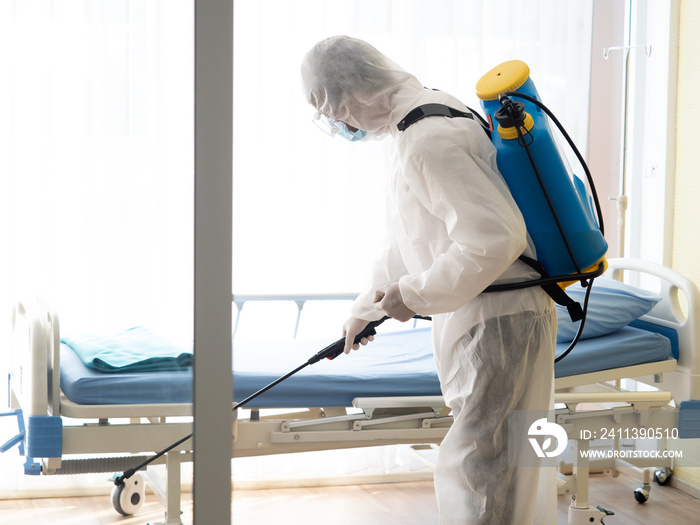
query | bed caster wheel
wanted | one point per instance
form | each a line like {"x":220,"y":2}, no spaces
{"x":128,"y":497}
{"x":588,"y":516}
{"x":662,"y":476}
{"x":642,"y":493}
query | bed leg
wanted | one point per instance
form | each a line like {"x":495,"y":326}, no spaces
{"x":580,"y":511}
{"x":172,"y":494}
{"x":581,"y":471}
{"x":168,"y":493}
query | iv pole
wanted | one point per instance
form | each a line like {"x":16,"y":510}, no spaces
{"x":621,"y":199}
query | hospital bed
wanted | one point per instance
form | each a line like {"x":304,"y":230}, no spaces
{"x":74,"y":419}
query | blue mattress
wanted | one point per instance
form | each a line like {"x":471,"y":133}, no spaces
{"x":627,"y":347}
{"x":395,"y":364}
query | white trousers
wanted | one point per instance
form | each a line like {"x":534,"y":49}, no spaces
{"x":503,"y":364}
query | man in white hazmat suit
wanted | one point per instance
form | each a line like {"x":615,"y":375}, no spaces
{"x":455,"y":230}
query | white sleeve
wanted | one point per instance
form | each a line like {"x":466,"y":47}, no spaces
{"x":485,"y":227}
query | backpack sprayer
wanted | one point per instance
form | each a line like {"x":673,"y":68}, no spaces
{"x":555,"y":203}
{"x":557,"y":208}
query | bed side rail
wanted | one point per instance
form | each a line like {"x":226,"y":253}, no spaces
{"x":239,"y":300}
{"x":669,"y":311}
{"x":672,"y":282}
{"x":34,"y":380}
{"x":29,"y":363}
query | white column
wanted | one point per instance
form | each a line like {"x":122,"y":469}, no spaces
{"x":212,"y":261}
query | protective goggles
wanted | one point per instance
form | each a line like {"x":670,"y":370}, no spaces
{"x":337,"y":128}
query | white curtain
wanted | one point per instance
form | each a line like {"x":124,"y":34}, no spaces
{"x":96,"y":143}
{"x":96,"y":169}
{"x":97,"y":161}
{"x":309,"y":209}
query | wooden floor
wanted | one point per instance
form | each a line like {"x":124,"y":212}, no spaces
{"x":379,"y":504}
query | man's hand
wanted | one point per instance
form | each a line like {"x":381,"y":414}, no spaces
{"x":388,"y":299}
{"x":351,"y":328}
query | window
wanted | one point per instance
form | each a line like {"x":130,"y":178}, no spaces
{"x":309,"y":210}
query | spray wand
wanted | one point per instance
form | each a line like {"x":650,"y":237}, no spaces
{"x":330,"y":352}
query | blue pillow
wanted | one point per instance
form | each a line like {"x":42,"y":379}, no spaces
{"x":612,"y":305}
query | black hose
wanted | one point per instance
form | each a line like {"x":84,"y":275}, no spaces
{"x":554,"y":119}
{"x":517,"y":121}
{"x":579,"y":332}
{"x":588,"y":278}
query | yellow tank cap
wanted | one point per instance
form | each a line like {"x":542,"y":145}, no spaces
{"x":512,"y":133}
{"x":508,"y":76}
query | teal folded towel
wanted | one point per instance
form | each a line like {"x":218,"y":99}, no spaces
{"x":134,"y":350}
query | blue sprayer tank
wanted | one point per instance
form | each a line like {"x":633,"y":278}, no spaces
{"x":567,"y":192}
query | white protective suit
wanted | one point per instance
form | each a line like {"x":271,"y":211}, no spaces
{"x":454,"y":230}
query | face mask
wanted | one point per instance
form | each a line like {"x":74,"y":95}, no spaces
{"x":352,"y":136}
{"x":337,"y":128}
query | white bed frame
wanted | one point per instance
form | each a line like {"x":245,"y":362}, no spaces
{"x":598,"y":401}
{"x":118,"y":437}
{"x":133,"y":432}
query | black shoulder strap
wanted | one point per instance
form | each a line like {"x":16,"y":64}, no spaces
{"x":430,"y":110}
{"x":441,"y":110}
{"x":555,"y":291}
